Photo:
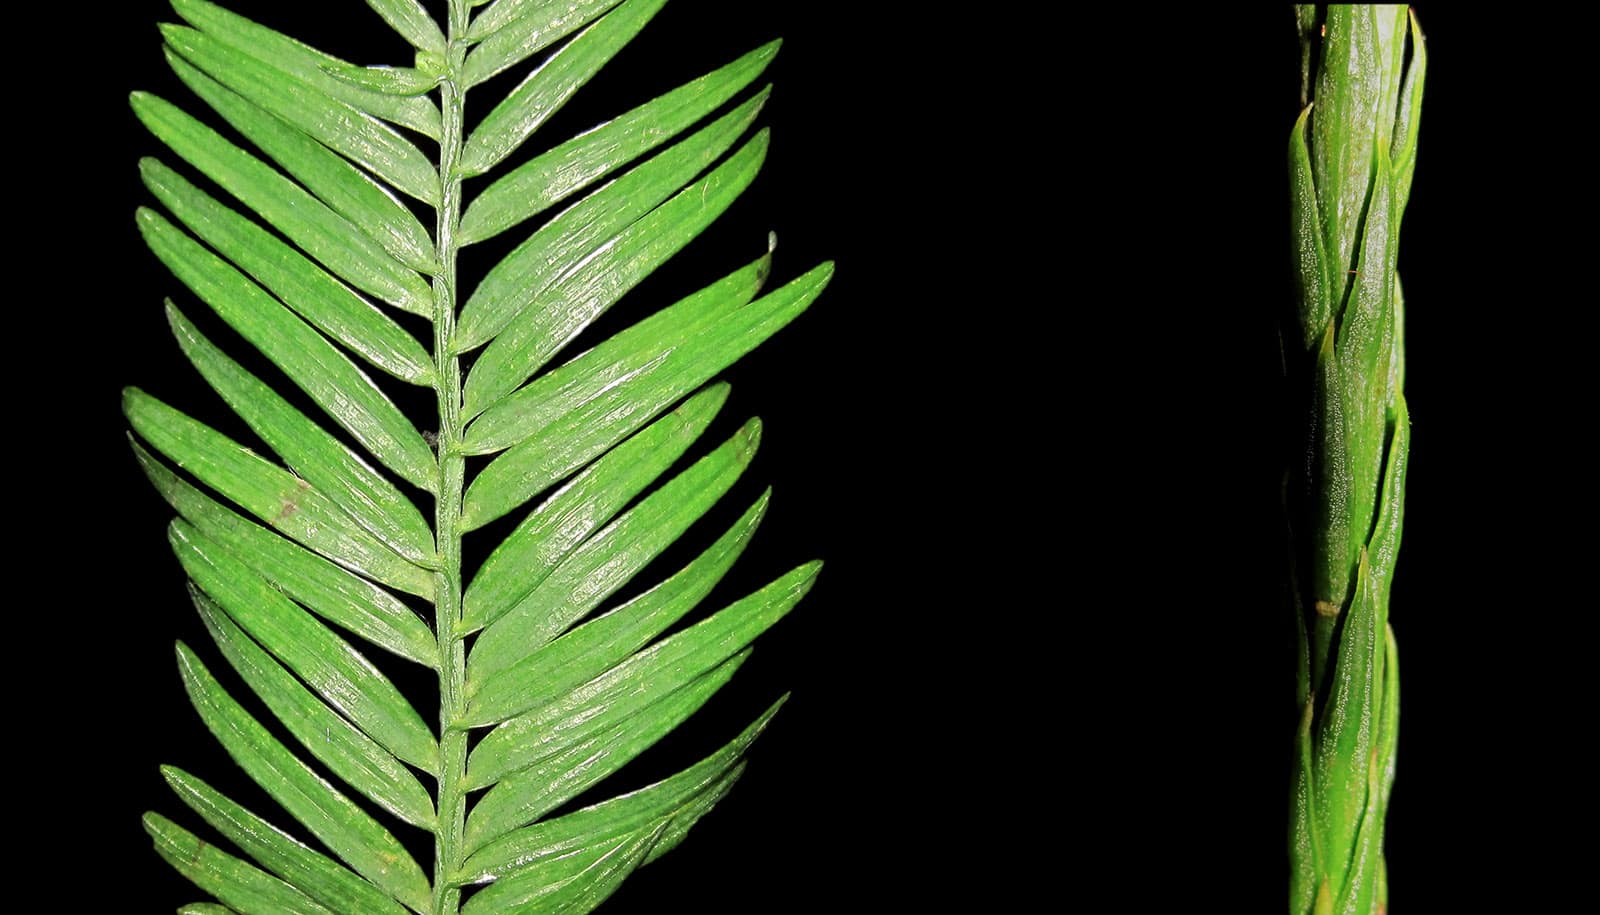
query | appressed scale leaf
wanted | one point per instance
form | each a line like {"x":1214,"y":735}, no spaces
{"x":299,"y":224}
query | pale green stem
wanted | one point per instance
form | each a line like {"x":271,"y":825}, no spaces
{"x":448,"y":850}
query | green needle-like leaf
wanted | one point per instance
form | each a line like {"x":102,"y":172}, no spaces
{"x":525,"y":32}
{"x":313,"y":363}
{"x":499,"y":15}
{"x":593,"y":750}
{"x":324,"y":661}
{"x":350,"y":754}
{"x":246,"y":888}
{"x":550,"y":177}
{"x":576,"y":884}
{"x":566,"y":519}
{"x":318,"y":230}
{"x":349,"y":833}
{"x":412,"y":22}
{"x":590,"y":376}
{"x":306,"y":65}
{"x":293,"y":279}
{"x":572,"y":440}
{"x":608,"y":560}
{"x":585,"y":229}
{"x":269,"y":492}
{"x":614,"y":818}
{"x":326,"y":881}
{"x":347,"y":190}
{"x":621,"y":691}
{"x":548,"y":88}
{"x":702,"y":336}
{"x":317,"y":584}
{"x":372,"y":501}
{"x":294,"y":565}
{"x":589,"y":650}
{"x":566,"y":308}
{"x":341,"y":127}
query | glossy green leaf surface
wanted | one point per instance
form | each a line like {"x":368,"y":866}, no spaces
{"x":306,"y":65}
{"x":331,"y":306}
{"x":324,"y":880}
{"x":328,"y":664}
{"x":578,"y":435}
{"x":585,"y":228}
{"x":319,"y":231}
{"x":562,"y":522}
{"x":614,"y":818}
{"x":545,"y":90}
{"x":309,"y":450}
{"x":342,"y":127}
{"x":613,"y":696}
{"x":508,"y":37}
{"x":269,"y":492}
{"x":610,"y":558}
{"x":352,"y":835}
{"x":354,"y":757}
{"x":412,"y":22}
{"x":241,"y":885}
{"x":332,"y":380}
{"x":344,"y":191}
{"x":561,"y":665}
{"x":333,"y":593}
{"x":592,"y":752}
{"x":568,"y":306}
{"x":552,"y":176}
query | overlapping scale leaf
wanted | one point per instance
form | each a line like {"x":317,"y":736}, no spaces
{"x":316,"y":365}
{"x":347,"y":190}
{"x":554,"y":175}
{"x":582,"y":294}
{"x":609,"y":559}
{"x":617,"y":388}
{"x":586,"y":228}
{"x":571,"y":514}
{"x":349,"y":753}
{"x":635,"y":683}
{"x":319,"y":585}
{"x":353,"y":836}
{"x":303,"y":64}
{"x":271,"y":493}
{"x":319,"y":231}
{"x":365,"y":495}
{"x":325,"y":662}
{"x":324,"y":880}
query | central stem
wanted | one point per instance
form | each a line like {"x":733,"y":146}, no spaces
{"x":448,"y":851}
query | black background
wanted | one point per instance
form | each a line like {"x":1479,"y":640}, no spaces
{"x":1034,"y":428}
